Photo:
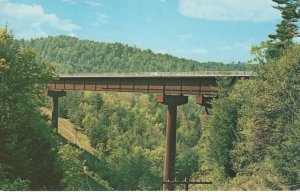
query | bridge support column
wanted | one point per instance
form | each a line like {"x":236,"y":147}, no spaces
{"x":172,"y":101}
{"x":55,"y":95}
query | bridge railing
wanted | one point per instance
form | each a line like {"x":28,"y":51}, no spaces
{"x":163,"y":74}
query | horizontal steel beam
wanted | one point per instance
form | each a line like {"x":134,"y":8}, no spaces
{"x":160,"y":82}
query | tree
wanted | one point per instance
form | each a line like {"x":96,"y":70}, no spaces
{"x":290,"y":13}
{"x":27,"y":144}
{"x":218,"y":139}
{"x":268,"y":125}
{"x":74,"y":177}
{"x":287,"y":29}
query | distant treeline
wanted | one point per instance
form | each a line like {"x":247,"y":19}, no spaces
{"x":72,"y":55}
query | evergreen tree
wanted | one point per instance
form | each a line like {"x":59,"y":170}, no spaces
{"x":287,"y":29}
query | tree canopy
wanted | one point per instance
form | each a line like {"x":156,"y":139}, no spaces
{"x":71,"y":55}
{"x":251,"y":139}
{"x":27,"y":145}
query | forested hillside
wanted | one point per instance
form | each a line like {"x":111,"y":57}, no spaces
{"x":71,"y":55}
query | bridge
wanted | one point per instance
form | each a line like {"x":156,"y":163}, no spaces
{"x":172,"y":87}
{"x":189,"y":83}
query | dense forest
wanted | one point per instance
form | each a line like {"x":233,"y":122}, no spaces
{"x":71,"y":55}
{"x":249,"y":141}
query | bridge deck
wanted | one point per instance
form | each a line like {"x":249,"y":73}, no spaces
{"x":164,"y":74}
{"x":192,"y":83}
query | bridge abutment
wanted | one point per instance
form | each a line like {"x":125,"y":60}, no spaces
{"x":172,"y":101}
{"x":55,"y":95}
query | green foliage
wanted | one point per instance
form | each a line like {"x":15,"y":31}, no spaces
{"x":286,"y":30}
{"x":265,"y":152}
{"x":128,"y":131}
{"x":123,"y":133}
{"x":217,"y":142}
{"x":250,"y":140}
{"x":268,"y":119}
{"x":188,"y":134}
{"x":77,"y":176}
{"x":290,"y":14}
{"x":71,"y":55}
{"x":73,"y":173}
{"x":16,"y":185}
{"x":27,"y":145}
{"x":285,"y":159}
{"x":272,"y":108}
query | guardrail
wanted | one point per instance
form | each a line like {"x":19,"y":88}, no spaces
{"x":164,"y":74}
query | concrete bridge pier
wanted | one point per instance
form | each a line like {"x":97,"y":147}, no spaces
{"x":172,"y":101}
{"x":55,"y":95}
